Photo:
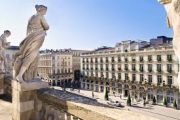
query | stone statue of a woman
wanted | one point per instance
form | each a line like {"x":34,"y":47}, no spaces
{"x":26,"y":59}
{"x":173,"y":14}
{"x":3,"y":45}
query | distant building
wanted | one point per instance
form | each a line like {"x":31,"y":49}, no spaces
{"x":60,"y":67}
{"x":139,"y":68}
{"x":160,"y":40}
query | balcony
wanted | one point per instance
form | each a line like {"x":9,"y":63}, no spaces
{"x":133,"y":69}
{"x":169,"y":59}
{"x":149,"y":59}
{"x":169,"y":70}
{"x":113,"y":61}
{"x":141,"y":70}
{"x":159,"y":70}
{"x":159,"y":59}
{"x":133,"y":60}
{"x":126,"y":69}
{"x":149,"y":70}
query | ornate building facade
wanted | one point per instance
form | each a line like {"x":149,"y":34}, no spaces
{"x":141,"y":69}
{"x":59,"y":67}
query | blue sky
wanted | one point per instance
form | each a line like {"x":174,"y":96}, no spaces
{"x":87,"y":24}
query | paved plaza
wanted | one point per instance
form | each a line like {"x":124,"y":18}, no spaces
{"x":156,"y":111}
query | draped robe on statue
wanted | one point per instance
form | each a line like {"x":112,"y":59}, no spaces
{"x":28,"y":54}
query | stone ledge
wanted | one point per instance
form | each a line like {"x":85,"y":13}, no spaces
{"x":86,"y":111}
{"x":29,"y":86}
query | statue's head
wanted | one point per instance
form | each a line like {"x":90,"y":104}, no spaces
{"x":7,"y":33}
{"x":41,"y":9}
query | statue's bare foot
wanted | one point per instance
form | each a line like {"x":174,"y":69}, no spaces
{"x":19,"y":79}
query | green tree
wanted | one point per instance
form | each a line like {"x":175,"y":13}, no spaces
{"x":129,"y":100}
{"x":165,"y":102}
{"x":175,"y":104}
{"x":154,"y":100}
{"x":106,"y":96}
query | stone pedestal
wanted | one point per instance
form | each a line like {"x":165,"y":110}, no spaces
{"x":1,"y":83}
{"x":24,"y":99}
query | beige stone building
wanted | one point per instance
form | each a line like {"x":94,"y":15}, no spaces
{"x":60,"y":67}
{"x":141,"y":69}
{"x":45,"y":64}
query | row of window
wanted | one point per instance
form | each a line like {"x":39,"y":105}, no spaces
{"x":141,"y":76}
{"x":62,"y":71}
{"x":133,"y":67}
{"x":141,"y":59}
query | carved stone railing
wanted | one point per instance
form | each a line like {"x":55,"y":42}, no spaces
{"x":52,"y":104}
{"x":61,"y":105}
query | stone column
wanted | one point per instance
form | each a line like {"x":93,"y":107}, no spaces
{"x":62,"y":116}
{"x":24,"y":99}
{"x":68,"y":116}
{"x":1,"y":83}
{"x":75,"y":118}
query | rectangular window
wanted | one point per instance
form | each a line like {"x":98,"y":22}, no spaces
{"x":158,"y":67}
{"x":133,"y":67}
{"x":126,"y":76}
{"x":141,"y":68}
{"x":106,"y":59}
{"x":141,"y":59}
{"x":126,"y":59}
{"x":107,"y":67}
{"x":101,"y":60}
{"x":133,"y":77}
{"x":141,"y":77}
{"x":159,"y":58}
{"x":119,"y":59}
{"x":119,"y":76}
{"x":101,"y":66}
{"x":149,"y":78}
{"x":126,"y":67}
{"x":170,"y":80}
{"x":133,"y":59}
{"x":159,"y":79}
{"x":112,"y":66}
{"x":149,"y":58}
{"x":119,"y":67}
{"x":150,"y":67}
{"x":169,"y":68}
{"x":107,"y":75}
{"x":169,"y":58}
{"x":112,"y":59}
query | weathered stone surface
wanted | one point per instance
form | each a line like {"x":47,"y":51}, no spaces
{"x":84,"y":108}
{"x":28,"y":86}
{"x":24,"y":99}
{"x":1,"y":83}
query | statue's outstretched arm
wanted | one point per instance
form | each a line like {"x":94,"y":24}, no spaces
{"x":44,"y":23}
